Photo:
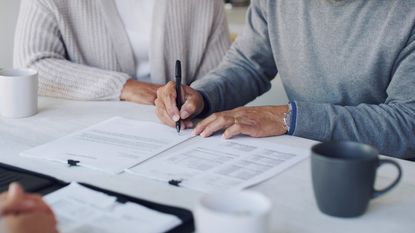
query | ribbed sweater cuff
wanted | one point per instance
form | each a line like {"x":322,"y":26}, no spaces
{"x":310,"y":120}
{"x":293,"y":109}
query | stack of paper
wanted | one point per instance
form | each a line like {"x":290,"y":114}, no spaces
{"x":111,"y":146}
{"x":214,"y":163}
{"x":206,"y":165}
{"x":82,"y":210}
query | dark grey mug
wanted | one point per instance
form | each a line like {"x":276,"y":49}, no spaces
{"x":343,"y":175}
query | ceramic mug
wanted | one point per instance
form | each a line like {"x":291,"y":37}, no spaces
{"x":233,"y":212}
{"x":343,"y":175}
{"x":18,"y":93}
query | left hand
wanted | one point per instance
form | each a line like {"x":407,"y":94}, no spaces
{"x":252,"y":121}
{"x":139,"y":92}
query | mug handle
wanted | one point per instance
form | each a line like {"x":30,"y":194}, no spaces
{"x":378,"y":193}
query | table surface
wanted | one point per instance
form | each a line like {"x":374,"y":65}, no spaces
{"x":294,"y":207}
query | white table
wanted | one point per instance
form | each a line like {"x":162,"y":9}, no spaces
{"x":291,"y":192}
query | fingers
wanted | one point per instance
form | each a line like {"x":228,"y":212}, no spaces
{"x":40,"y":204}
{"x":30,"y":222}
{"x":203,"y":124}
{"x":165,"y":118}
{"x":162,"y":113}
{"x":193,"y":104}
{"x":167,"y":109}
{"x":17,"y":207}
{"x":214,"y":123}
{"x":13,"y":200}
{"x":28,"y":205}
{"x":188,"y":109}
{"x":17,"y":201}
{"x":168,"y":96}
{"x":237,"y":129}
{"x":183,"y":94}
{"x":169,"y":99}
{"x":15,"y":191}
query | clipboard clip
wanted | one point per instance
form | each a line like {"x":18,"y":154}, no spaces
{"x":175,"y":182}
{"x":73,"y":163}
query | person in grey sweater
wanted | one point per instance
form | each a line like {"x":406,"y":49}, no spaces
{"x":348,"y":68}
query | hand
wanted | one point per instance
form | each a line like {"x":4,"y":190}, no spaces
{"x":29,"y":223}
{"x":25,"y":213}
{"x":252,"y":121}
{"x":139,"y":92}
{"x":167,"y":110}
{"x":15,"y":201}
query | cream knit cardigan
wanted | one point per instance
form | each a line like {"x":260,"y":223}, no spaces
{"x":81,"y":49}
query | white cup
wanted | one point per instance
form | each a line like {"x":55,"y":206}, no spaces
{"x":18,"y":93}
{"x":233,"y":212}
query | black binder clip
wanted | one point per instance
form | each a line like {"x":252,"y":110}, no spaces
{"x":73,"y":163}
{"x":175,"y":182}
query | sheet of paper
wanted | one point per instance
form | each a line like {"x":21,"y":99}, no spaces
{"x":215,"y":164}
{"x":111,"y":146}
{"x":82,"y":210}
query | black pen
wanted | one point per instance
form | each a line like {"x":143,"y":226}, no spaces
{"x":178,"y":91}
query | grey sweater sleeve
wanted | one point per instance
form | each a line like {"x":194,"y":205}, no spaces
{"x":38,"y":45}
{"x":246,"y":70}
{"x":389,"y":126}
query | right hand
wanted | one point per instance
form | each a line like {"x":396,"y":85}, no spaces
{"x":167,"y":110}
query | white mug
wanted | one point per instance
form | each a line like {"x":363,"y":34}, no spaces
{"x":18,"y":92}
{"x":233,"y":212}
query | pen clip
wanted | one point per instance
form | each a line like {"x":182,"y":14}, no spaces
{"x":175,"y":182}
{"x":73,"y":163}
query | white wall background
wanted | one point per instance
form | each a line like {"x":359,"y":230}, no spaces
{"x":8,"y":16}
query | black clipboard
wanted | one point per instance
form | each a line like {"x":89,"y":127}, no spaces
{"x":42,"y":184}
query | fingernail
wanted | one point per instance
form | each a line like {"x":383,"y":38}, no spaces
{"x":185,"y":114}
{"x":176,"y":118}
{"x":13,"y":189}
{"x":203,"y":134}
{"x":194,"y":133}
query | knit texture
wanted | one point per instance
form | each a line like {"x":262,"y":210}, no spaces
{"x":348,"y":65}
{"x":81,"y":49}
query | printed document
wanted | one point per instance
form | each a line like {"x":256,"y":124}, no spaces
{"x":111,"y":146}
{"x":82,"y":210}
{"x":213,"y":164}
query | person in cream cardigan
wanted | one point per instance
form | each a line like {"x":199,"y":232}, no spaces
{"x":118,"y":50}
